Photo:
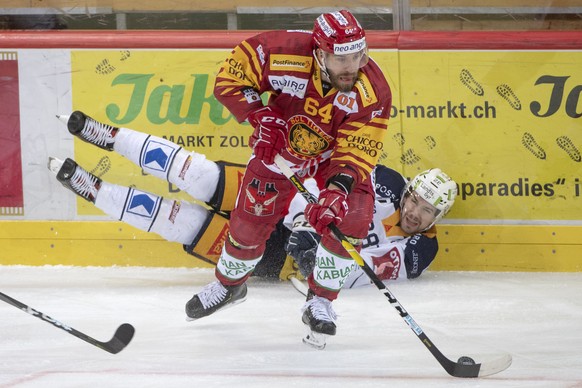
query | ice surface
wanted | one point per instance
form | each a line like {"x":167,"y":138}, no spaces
{"x":536,"y":317}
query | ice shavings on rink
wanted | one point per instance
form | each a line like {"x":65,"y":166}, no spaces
{"x":535,"y":317}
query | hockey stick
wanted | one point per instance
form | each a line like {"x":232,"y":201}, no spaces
{"x":120,"y":340}
{"x":465,"y":366}
{"x":299,"y":286}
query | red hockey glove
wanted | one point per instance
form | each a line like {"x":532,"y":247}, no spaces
{"x":268,"y":139}
{"x":331,"y":209}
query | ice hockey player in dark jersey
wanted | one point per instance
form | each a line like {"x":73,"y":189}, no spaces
{"x":402,"y":239}
{"x":202,"y":229}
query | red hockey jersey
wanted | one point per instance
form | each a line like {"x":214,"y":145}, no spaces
{"x":347,"y":128}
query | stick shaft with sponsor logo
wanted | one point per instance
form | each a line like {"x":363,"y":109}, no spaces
{"x":465,"y":367}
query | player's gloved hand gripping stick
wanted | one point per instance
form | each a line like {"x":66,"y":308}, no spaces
{"x":465,"y":366}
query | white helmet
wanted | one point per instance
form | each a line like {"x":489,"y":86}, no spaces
{"x":435,"y":187}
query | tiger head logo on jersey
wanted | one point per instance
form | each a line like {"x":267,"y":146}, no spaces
{"x":306,"y":139}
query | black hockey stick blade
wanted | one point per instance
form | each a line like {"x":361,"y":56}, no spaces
{"x":486,"y":368}
{"x":120,"y":340}
{"x":116,"y":344}
{"x":465,"y":367}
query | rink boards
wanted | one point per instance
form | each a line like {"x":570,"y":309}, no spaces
{"x":462,"y":247}
{"x":499,"y":112}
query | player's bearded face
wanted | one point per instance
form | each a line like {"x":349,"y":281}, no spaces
{"x":416,"y":214}
{"x":343,"y":69}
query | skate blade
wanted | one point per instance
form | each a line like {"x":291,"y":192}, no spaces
{"x":54,"y":164}
{"x":315,"y":340}
{"x":190,"y":319}
{"x":63,"y":118}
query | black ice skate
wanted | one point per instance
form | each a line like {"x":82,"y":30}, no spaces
{"x":75,"y":178}
{"x":214,"y":297}
{"x":90,"y":130}
{"x":318,"y":314}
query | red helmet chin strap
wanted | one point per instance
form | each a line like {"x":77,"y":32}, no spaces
{"x":321,"y":64}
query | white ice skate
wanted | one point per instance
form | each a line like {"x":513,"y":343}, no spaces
{"x":320,"y":318}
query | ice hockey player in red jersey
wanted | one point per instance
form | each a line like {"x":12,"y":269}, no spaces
{"x":327,"y":115}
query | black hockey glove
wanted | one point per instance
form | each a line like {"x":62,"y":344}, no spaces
{"x":302,"y":245}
